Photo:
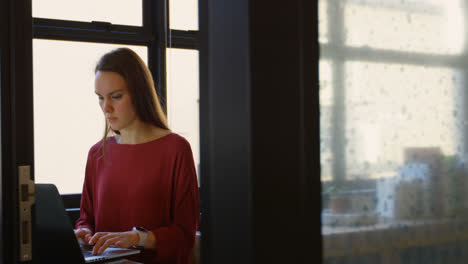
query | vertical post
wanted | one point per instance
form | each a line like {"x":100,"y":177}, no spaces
{"x":259,"y":126}
{"x":155,"y":24}
{"x":225,"y":132}
{"x":338,"y":118}
{"x":17,"y":137}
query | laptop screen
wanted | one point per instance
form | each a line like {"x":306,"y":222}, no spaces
{"x":53,"y":238}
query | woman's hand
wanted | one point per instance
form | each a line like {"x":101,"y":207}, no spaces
{"x":83,"y":235}
{"x":103,"y":240}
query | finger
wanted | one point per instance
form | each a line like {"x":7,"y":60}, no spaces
{"x":101,"y":241}
{"x":96,"y":236}
{"x":86,"y":238}
{"x":106,"y":244}
{"x":80,"y":233}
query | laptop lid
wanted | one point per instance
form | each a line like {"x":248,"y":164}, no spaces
{"x":53,"y":238}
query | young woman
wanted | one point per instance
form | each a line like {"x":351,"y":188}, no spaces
{"x":140,"y":186}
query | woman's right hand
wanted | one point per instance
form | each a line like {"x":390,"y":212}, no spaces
{"x":83,"y":235}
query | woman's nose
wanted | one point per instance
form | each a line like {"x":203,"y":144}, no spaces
{"x":106,"y":107}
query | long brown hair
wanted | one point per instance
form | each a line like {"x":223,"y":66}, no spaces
{"x":136,"y":74}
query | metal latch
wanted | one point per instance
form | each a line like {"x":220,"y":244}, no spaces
{"x":26,"y":201}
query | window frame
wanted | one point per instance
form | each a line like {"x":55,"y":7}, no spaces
{"x":16,"y":124}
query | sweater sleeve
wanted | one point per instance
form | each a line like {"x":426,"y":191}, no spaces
{"x":174,"y":242}
{"x":86,"y":206}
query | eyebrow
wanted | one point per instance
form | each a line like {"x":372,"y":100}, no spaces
{"x":111,"y":93}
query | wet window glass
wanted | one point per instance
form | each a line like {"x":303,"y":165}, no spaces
{"x":393,"y":131}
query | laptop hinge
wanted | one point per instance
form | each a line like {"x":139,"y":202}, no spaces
{"x":26,"y":201}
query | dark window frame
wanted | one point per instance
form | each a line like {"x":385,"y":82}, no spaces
{"x":16,"y":121}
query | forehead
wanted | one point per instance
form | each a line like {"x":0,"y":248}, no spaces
{"x":106,"y":82}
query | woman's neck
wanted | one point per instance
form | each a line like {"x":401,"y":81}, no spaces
{"x":140,"y":133}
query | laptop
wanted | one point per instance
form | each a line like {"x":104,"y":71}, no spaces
{"x":54,"y":240}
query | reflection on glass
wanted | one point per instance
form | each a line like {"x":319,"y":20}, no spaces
{"x":394,"y":150}
{"x":417,"y":26}
{"x":67,"y":117}
{"x":183,"y":96}
{"x":183,"y":14}
{"x":120,"y":12}
{"x":417,"y":108}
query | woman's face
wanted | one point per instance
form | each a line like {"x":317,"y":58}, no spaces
{"x":115,"y":100}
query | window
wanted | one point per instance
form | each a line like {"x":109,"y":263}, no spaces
{"x":183,"y":14}
{"x":114,"y":11}
{"x":183,"y":96}
{"x":393,"y":144}
{"x":67,"y":117}
{"x":182,"y":66}
{"x":67,"y":44}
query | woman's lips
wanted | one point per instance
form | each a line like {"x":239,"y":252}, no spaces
{"x":111,"y":119}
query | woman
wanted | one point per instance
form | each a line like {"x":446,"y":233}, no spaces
{"x":140,"y":185}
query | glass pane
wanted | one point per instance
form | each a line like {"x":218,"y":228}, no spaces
{"x":417,"y":26}
{"x":120,"y":12}
{"x":394,"y":149}
{"x":323,"y":21}
{"x":326,"y":106}
{"x":183,"y":14}
{"x":183,"y":96}
{"x":67,"y":117}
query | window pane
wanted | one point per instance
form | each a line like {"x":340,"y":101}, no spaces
{"x":417,"y":109}
{"x":323,"y":21}
{"x":326,"y":106}
{"x":183,"y":14}
{"x":183,"y":96}
{"x":419,"y":26}
{"x":120,"y":12}
{"x":67,"y":117}
{"x":394,"y":149}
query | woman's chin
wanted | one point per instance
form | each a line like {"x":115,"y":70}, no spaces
{"x":114,"y":127}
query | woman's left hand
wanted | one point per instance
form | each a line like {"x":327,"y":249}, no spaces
{"x":102,"y":240}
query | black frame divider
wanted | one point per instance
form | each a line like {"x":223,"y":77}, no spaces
{"x":16,"y":104}
{"x":155,"y":23}
{"x":184,"y":39}
{"x":95,"y":31}
{"x":259,"y":127}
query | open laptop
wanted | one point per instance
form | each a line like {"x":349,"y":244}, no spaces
{"x":53,"y":238}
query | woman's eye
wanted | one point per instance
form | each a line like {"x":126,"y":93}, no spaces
{"x":100,"y":98}
{"x":117,"y":96}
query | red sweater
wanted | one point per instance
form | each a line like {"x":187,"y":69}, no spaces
{"x":153,"y":185}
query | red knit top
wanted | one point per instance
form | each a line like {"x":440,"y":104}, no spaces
{"x":152,"y":185}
